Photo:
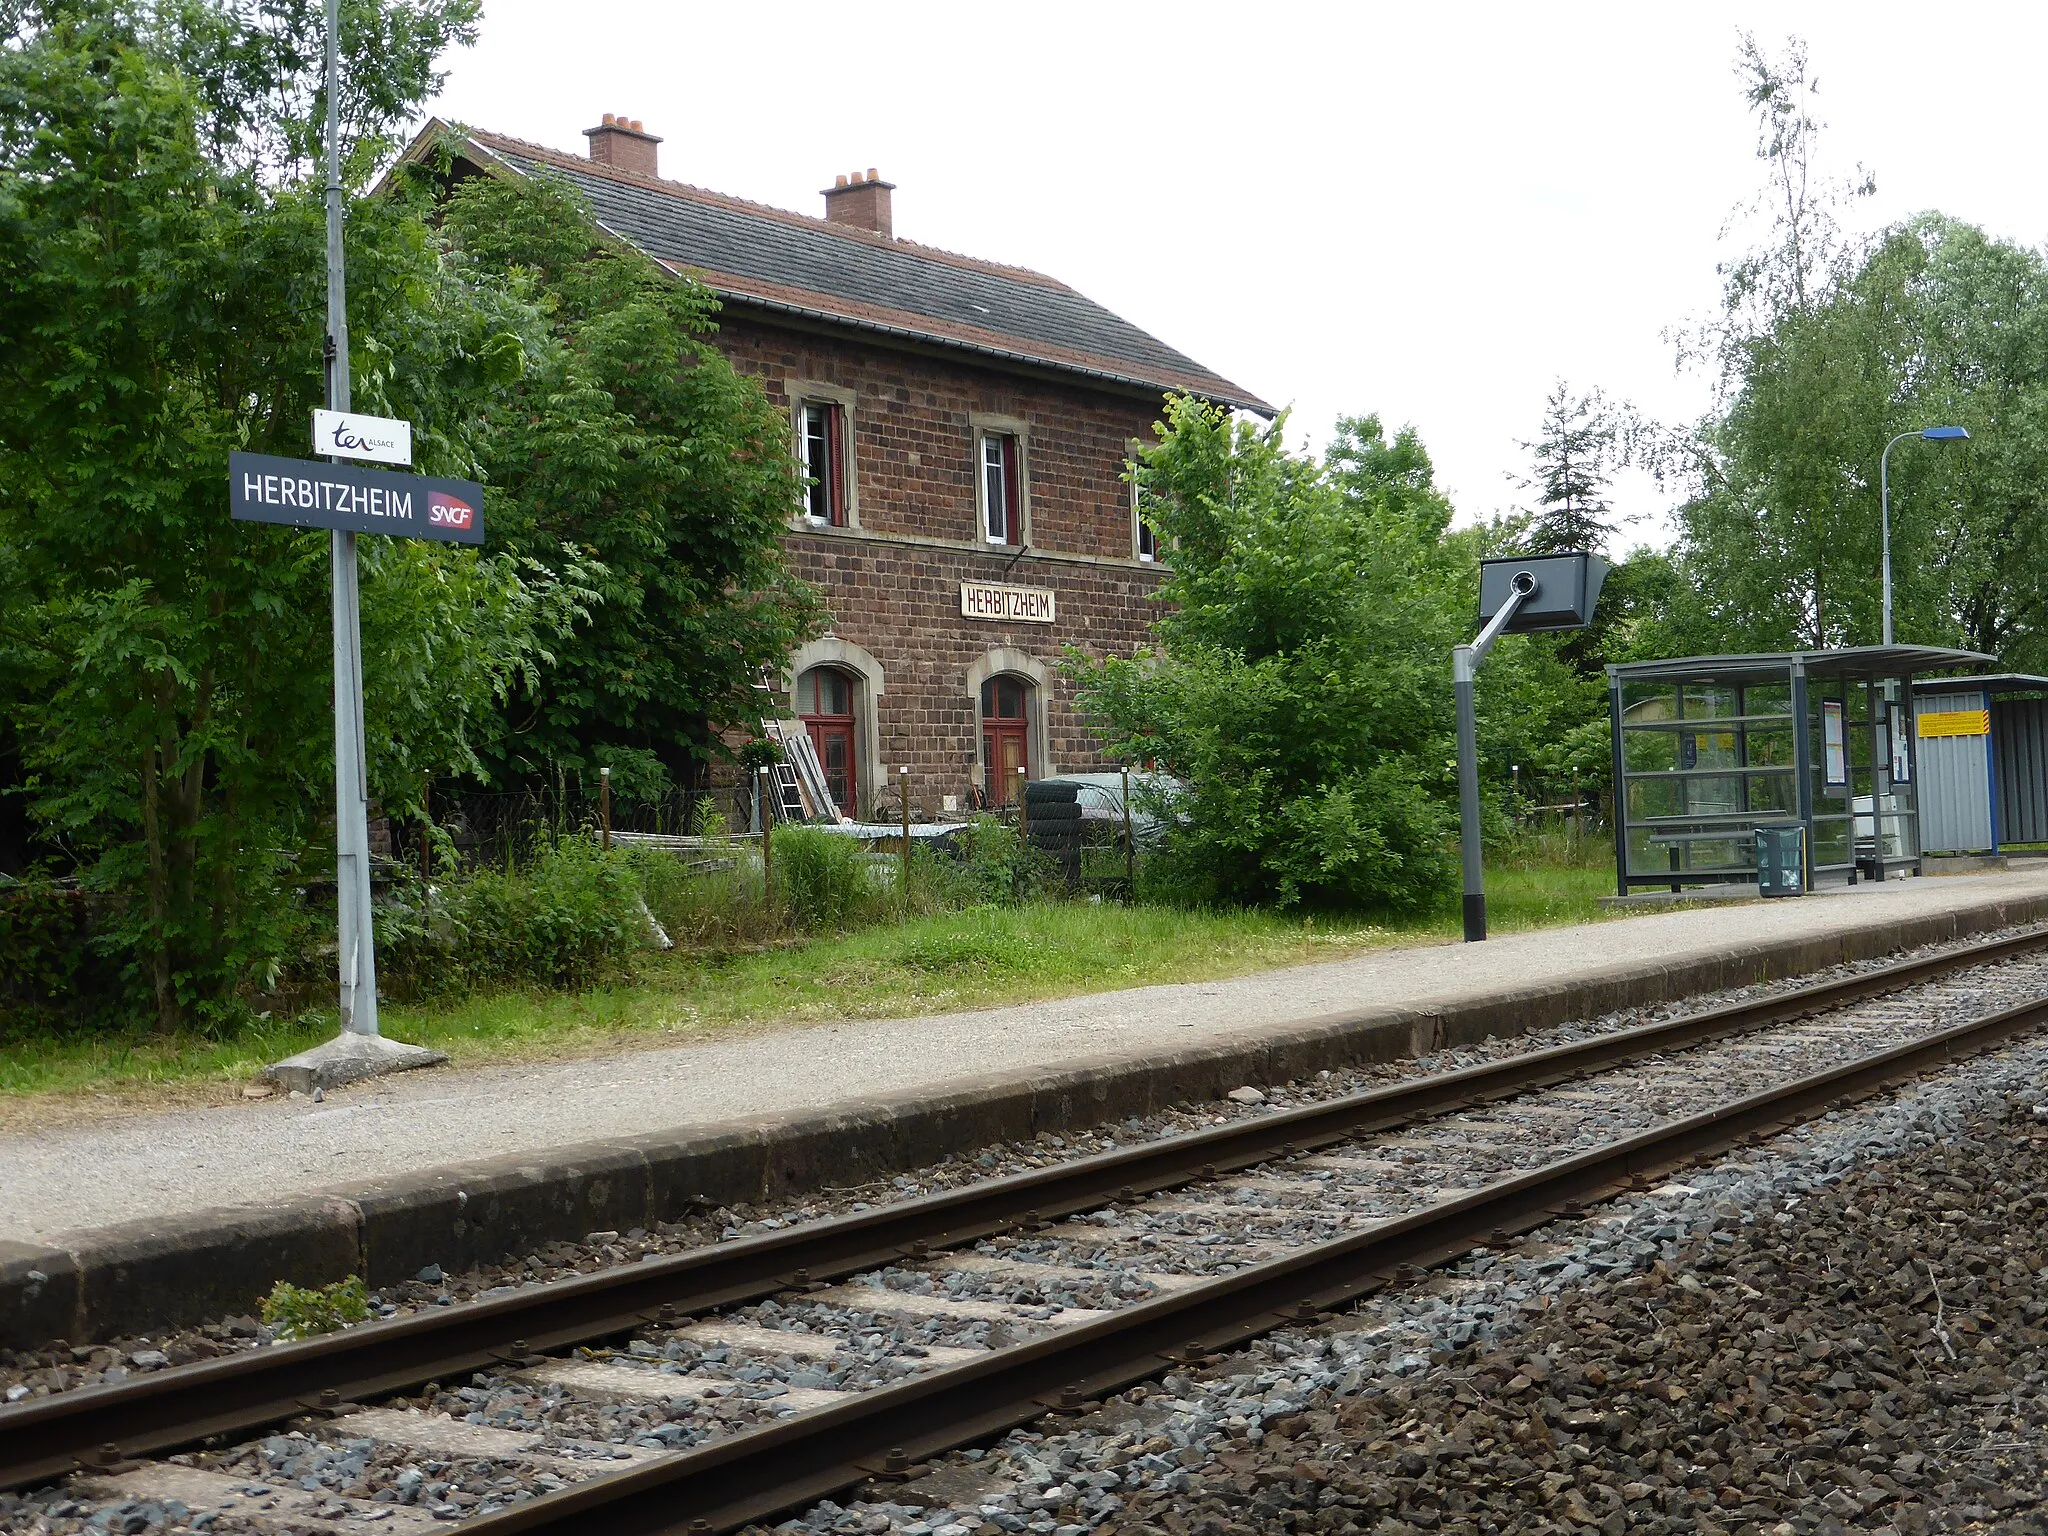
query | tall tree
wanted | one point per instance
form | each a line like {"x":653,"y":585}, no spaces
{"x":633,"y":439}
{"x":1573,"y":458}
{"x":160,"y":296}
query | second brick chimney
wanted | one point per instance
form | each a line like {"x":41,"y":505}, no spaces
{"x":861,"y":201}
{"x":623,"y":144}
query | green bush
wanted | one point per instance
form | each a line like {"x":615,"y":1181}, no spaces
{"x":1299,"y":694}
{"x":46,"y":945}
{"x":823,"y":880}
{"x":304,"y":1312}
{"x":569,"y":918}
{"x":997,"y":867}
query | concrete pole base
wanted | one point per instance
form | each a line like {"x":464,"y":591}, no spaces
{"x":348,"y":1058}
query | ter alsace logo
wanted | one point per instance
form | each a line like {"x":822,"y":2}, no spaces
{"x":445,"y":511}
{"x":374,"y":439}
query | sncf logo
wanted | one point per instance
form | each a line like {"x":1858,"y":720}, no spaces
{"x":444,"y":511}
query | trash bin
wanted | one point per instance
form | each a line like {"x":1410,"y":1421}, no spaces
{"x":1781,"y":859}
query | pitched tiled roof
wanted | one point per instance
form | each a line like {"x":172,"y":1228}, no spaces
{"x":765,"y":257}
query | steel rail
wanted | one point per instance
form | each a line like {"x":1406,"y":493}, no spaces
{"x":48,"y":1437}
{"x":763,"y":1472}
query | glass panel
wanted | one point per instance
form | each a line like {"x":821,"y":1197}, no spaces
{"x":993,"y":480}
{"x":817,"y":463}
{"x":1831,"y":840}
{"x":1706,"y":700}
{"x":1649,"y":751}
{"x":1713,"y":795}
{"x":1767,"y":699}
{"x":1714,"y":749}
{"x":833,"y":694}
{"x":1649,"y":701}
{"x":1774,"y":795}
{"x":1770,"y":747}
{"x":1654,"y":797}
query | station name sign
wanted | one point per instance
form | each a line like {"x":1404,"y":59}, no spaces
{"x":1017,"y":605}
{"x":348,"y":498}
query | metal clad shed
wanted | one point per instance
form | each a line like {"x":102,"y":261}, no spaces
{"x":1983,"y":746}
{"x":2019,"y":748}
{"x":1955,"y":772}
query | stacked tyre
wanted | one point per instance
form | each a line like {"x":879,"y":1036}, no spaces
{"x":1053,"y":810}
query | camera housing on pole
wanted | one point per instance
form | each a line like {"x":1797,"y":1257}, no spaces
{"x":1518,"y":594}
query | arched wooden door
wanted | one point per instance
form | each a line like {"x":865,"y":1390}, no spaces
{"x":1005,"y":736}
{"x":824,"y":702}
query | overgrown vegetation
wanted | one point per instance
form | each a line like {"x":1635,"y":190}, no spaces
{"x":161,"y":262}
{"x":305,"y":1312}
{"x":1298,"y":686}
{"x":973,"y":956}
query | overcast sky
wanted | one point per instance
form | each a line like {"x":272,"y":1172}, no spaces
{"x":1429,"y":212}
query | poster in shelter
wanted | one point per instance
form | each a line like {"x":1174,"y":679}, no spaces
{"x":1834,"y":746}
{"x":1902,"y":736}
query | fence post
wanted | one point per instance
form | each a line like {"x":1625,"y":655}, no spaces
{"x":1130,"y":846}
{"x":604,"y":805}
{"x":767,"y":818}
{"x":1023,"y":804}
{"x":426,"y":826}
{"x":903,"y":794}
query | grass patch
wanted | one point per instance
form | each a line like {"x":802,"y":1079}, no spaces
{"x":941,"y":962}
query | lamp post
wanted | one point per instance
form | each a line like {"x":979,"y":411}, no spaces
{"x":1884,"y":497}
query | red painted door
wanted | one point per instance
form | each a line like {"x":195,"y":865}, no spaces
{"x":1005,"y":736}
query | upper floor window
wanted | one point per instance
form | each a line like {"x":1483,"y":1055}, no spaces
{"x":1002,"y":496}
{"x":1145,"y":539}
{"x":821,"y":435}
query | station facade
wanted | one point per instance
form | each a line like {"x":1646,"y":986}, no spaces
{"x":964,"y":427}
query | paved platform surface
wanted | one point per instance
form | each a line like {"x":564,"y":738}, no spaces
{"x":164,"y":1165}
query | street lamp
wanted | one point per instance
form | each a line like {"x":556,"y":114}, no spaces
{"x":1884,"y":496}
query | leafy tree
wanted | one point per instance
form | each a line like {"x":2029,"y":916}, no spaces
{"x":1828,"y":347}
{"x":161,"y":275}
{"x":632,"y":438}
{"x":1301,"y":684}
{"x":1573,"y":458}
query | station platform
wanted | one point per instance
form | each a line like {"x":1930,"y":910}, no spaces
{"x":463,"y":1165}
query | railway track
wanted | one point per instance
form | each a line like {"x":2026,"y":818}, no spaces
{"x":722,"y":1386}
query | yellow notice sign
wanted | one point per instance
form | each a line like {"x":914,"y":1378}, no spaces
{"x":1955,"y":722}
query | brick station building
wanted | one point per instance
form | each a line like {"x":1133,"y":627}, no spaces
{"x":965,"y":427}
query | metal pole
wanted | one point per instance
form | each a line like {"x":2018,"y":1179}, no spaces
{"x":1465,"y":661}
{"x":1130,"y":846}
{"x":1884,"y":503}
{"x":604,"y":805}
{"x":358,"y":956}
{"x":903,"y":794}
{"x":1464,"y":668}
{"x":767,"y":821}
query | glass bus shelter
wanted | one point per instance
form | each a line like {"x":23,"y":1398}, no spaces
{"x":1709,"y":748}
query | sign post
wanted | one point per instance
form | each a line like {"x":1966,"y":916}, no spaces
{"x":346,"y":500}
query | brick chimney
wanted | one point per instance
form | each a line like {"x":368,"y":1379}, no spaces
{"x":622,"y":143}
{"x":861,"y":201}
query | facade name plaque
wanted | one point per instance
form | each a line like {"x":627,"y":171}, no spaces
{"x":1017,"y":605}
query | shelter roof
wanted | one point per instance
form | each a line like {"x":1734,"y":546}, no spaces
{"x":1855,"y":660}
{"x":812,"y":269}
{"x":1985,"y":682}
